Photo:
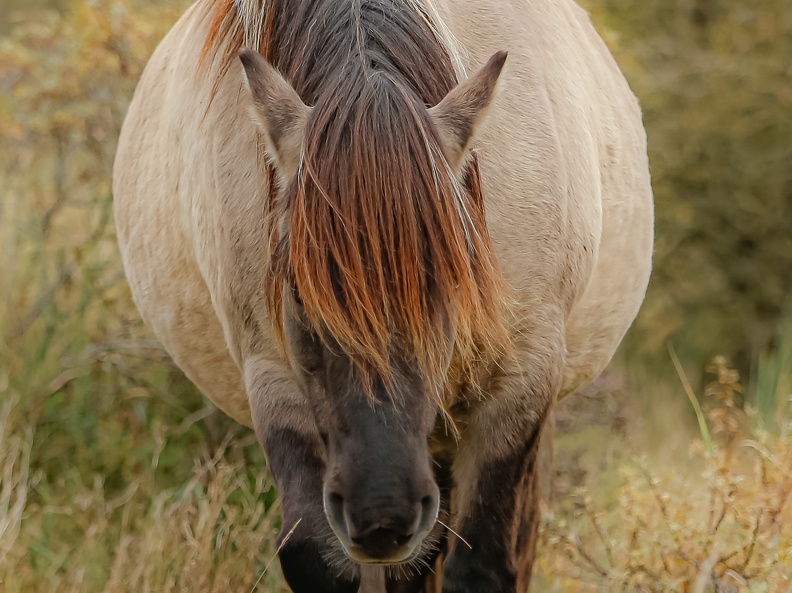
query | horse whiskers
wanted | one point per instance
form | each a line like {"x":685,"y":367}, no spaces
{"x":335,"y":556}
{"x":343,"y":566}
{"x":462,"y":539}
{"x":412,"y":568}
{"x":406,"y":570}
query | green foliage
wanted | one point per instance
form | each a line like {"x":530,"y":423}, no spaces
{"x":715,"y":81}
{"x":73,"y":348}
{"x":774,"y":380}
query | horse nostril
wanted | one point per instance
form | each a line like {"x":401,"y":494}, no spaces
{"x":426,"y":502}
{"x":335,"y":509}
{"x":430,"y":506}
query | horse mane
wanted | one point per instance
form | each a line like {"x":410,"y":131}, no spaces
{"x":385,"y":247}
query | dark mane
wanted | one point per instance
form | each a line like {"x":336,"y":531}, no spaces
{"x":383,"y":245}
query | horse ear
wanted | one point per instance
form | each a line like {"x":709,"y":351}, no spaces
{"x":459,"y":114}
{"x":279,"y":111}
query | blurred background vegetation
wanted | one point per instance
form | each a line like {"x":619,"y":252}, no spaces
{"x":115,"y":475}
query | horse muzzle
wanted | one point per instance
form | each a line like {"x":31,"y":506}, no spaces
{"x":384,"y":531}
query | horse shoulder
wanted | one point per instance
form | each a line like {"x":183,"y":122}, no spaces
{"x":168,"y":217}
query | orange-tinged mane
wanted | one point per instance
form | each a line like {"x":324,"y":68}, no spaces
{"x":387,"y":250}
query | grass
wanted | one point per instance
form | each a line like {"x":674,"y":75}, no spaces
{"x":653,"y":508}
{"x":718,"y":523}
{"x":116,"y":476}
{"x":212,"y":533}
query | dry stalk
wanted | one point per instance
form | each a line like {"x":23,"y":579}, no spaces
{"x":603,"y":537}
{"x":593,"y":565}
{"x":271,"y":560}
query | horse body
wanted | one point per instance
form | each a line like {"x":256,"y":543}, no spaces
{"x":565,"y":183}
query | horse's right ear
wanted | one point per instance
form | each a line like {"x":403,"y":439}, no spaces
{"x":279,"y":111}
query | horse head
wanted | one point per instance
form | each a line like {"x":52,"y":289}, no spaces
{"x":379,"y":273}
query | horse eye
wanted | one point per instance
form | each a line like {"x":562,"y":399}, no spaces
{"x":296,"y":297}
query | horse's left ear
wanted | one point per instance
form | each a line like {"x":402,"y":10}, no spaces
{"x":279,"y":111}
{"x":459,"y":114}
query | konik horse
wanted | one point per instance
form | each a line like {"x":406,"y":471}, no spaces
{"x":363,"y":229}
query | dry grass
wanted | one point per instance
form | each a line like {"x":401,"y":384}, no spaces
{"x":716,"y":516}
{"x":721,"y":523}
{"x":213,"y":533}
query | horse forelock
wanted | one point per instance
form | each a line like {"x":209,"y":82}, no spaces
{"x":385,"y":247}
{"x":242,"y":23}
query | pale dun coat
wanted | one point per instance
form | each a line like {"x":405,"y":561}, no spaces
{"x":566,"y":189}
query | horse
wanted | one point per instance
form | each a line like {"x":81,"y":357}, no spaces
{"x":388,"y":235}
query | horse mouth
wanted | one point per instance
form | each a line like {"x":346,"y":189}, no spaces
{"x":386,"y":550}
{"x":390,"y":557}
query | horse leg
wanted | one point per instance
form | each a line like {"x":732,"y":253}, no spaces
{"x":500,"y":528}
{"x":497,"y":481}
{"x":527,"y":523}
{"x":286,"y":430}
